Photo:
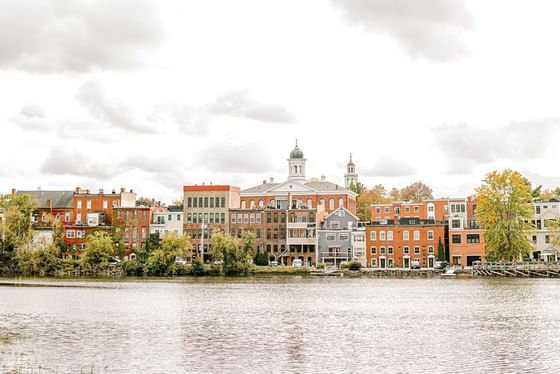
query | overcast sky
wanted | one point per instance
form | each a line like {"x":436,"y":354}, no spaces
{"x":154,"y":95}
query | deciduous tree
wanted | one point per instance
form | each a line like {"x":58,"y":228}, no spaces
{"x":16,"y":229}
{"x":504,"y":209}
{"x":99,"y":246}
{"x":417,"y":191}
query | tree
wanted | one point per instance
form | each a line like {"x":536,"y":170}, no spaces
{"x":504,"y":209}
{"x":366,"y":197}
{"x":58,"y":234}
{"x":246,"y":253}
{"x":395,"y":194}
{"x":417,"y":191}
{"x":162,"y":260}
{"x":16,"y":230}
{"x":440,"y":251}
{"x":224,"y":248}
{"x":145,"y":201}
{"x":99,"y":247}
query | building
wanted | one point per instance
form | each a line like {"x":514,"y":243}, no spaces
{"x":50,"y":205}
{"x":297,"y":192}
{"x":131,"y":226}
{"x":466,"y":238}
{"x":94,"y":212}
{"x":351,"y":176}
{"x":544,"y":238}
{"x":206,"y":210}
{"x":335,"y":237}
{"x":436,"y":209}
{"x":166,"y":220}
{"x":398,"y":243}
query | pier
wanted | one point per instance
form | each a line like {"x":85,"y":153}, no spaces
{"x":517,"y":269}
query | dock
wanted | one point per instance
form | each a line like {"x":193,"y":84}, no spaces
{"x":517,"y":269}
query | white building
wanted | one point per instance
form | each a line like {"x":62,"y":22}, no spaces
{"x":543,"y":238}
{"x":168,"y":221}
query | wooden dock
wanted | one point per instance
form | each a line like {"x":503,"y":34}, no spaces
{"x":517,"y":269}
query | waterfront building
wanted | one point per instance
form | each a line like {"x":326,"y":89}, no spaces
{"x":466,"y":238}
{"x":131,"y":226}
{"x":166,"y":220}
{"x":50,"y":205}
{"x":393,"y":243}
{"x":297,"y":191}
{"x":436,"y":209}
{"x":335,"y":237}
{"x":543,"y":238}
{"x":206,"y":210}
{"x":94,"y":212}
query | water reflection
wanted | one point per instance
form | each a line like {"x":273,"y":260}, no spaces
{"x":283,"y":325}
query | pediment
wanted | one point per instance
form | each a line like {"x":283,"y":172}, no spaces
{"x":292,"y":186}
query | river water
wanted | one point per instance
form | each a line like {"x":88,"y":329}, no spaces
{"x":280,"y":324}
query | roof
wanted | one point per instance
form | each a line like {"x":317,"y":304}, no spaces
{"x":209,"y":187}
{"x":175,"y":208}
{"x":326,"y":186}
{"x":58,"y":199}
{"x":264,"y":187}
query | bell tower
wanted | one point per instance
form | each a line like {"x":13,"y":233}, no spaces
{"x":350,"y":177}
{"x":296,"y":165}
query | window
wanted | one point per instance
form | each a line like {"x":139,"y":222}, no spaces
{"x":233,"y":218}
{"x":397,"y":210}
{"x":430,"y":235}
{"x":373,"y":262}
{"x":458,"y":208}
{"x":456,"y":239}
{"x":405,"y":235}
{"x":223,"y":202}
{"x":382,"y":250}
{"x":258,"y":218}
{"x":389,"y":235}
{"x":211,"y":202}
{"x":473,"y":238}
{"x":407,"y":209}
{"x":246,"y":218}
{"x":243,"y":205}
{"x":378,"y":210}
{"x":252,"y":218}
{"x":547,"y":239}
{"x":211,"y":218}
{"x":386,"y":209}
{"x":331,"y":237}
{"x":66,"y":217}
{"x":391,"y":262}
{"x":343,"y":236}
{"x":268,"y":218}
{"x":44,"y":217}
{"x":406,"y":250}
{"x":79,"y":204}
{"x":70,"y":234}
{"x":335,"y":225}
{"x":309,"y":204}
{"x":105,"y":204}
{"x":416,"y":209}
{"x":416,"y":234}
{"x":261,"y":203}
{"x":145,"y":213}
{"x":169,"y":217}
{"x":373,"y":250}
{"x":252,"y":204}
{"x":195,"y":202}
{"x":416,"y":250}
{"x":331,"y":204}
{"x":381,"y":235}
{"x":223,"y":218}
{"x":189,"y":202}
{"x":88,"y":204}
{"x":275,"y":217}
{"x":206,"y":202}
{"x":535,"y":239}
{"x":80,"y":234}
{"x":341,"y":203}
{"x":390,"y":250}
{"x":431,"y":250}
{"x":373,"y":235}
{"x":455,"y":223}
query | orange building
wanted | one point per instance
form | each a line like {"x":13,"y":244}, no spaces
{"x":466,"y":239}
{"x":92,"y":212}
{"x":397,"y":243}
{"x":436,"y":209}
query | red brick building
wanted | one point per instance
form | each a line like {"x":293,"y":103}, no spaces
{"x":397,"y":243}
{"x":132,"y":226}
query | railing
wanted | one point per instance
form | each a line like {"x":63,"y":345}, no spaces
{"x":517,"y":269}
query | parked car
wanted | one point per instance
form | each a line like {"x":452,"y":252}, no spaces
{"x":297,"y":263}
{"x":273,"y":263}
{"x":113,"y":260}
{"x":441,"y":265}
{"x":415,"y":264}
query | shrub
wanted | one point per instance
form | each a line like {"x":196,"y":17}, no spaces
{"x":355,"y":266}
{"x":261,"y":259}
{"x":197,"y":268}
{"x":132,"y":267}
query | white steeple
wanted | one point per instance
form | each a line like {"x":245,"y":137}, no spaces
{"x":351,"y":177}
{"x":296,"y":165}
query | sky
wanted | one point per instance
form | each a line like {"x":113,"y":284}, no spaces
{"x":152,"y":95}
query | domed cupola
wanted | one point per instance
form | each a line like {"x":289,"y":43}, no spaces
{"x":296,"y":165}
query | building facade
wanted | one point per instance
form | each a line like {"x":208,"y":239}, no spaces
{"x":335,"y":237}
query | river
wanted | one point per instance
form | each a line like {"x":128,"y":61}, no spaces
{"x":280,"y":324}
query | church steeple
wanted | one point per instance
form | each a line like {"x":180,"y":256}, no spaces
{"x":350,"y":177}
{"x":296,"y":165}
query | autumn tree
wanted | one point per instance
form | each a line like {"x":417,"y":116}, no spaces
{"x":99,"y":247}
{"x":376,"y":195}
{"x":162,"y":261}
{"x":504,"y":209}
{"x":16,"y":229}
{"x":417,"y":191}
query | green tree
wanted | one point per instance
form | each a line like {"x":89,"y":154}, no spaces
{"x":58,"y":234}
{"x":16,"y":230}
{"x":440,"y":251}
{"x":223,"y":251}
{"x":162,"y":261}
{"x":246,"y":253}
{"x":99,"y":247}
{"x":504,"y":209}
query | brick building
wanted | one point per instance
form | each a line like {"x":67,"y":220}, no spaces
{"x":396,"y":243}
{"x":131,"y":225}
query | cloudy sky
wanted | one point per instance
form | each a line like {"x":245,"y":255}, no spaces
{"x":154,"y":95}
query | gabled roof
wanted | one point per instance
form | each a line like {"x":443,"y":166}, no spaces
{"x":326,"y":186}
{"x":59,"y":199}
{"x":312,"y":186}
{"x":341,"y":208}
{"x":261,"y":188}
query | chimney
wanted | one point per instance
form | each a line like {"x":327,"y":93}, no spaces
{"x":13,"y":191}
{"x":122,"y":189}
{"x":271,"y":179}
{"x":264,"y":182}
{"x":323,"y":178}
{"x":101,"y":191}
{"x":131,"y":190}
{"x":49,"y":203}
{"x":87,"y":192}
{"x":77,"y":189}
{"x":113,"y":191}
